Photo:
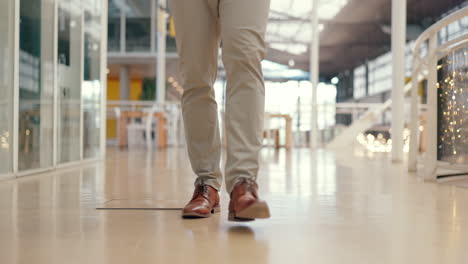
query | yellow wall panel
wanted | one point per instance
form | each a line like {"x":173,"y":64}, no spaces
{"x":111,"y":131}
{"x":136,"y":86}
{"x":113,"y":89}
{"x":113,"y":93}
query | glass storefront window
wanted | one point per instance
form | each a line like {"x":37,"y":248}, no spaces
{"x":138,"y":25}
{"x":171,"y":44}
{"x":92,"y":80}
{"x":42,"y":138}
{"x":36,"y":84}
{"x":69,"y":80}
{"x":6,"y":85}
{"x":113,"y":29}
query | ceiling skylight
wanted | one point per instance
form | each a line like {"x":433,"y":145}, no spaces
{"x":289,"y":28}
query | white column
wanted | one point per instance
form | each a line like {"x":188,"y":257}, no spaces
{"x":47,"y":83}
{"x":16,"y":42}
{"x":414,"y":125}
{"x":314,"y":72}
{"x":154,"y":12}
{"x":81,"y":74}
{"x":124,"y":83}
{"x":398,"y":60}
{"x":103,"y":76}
{"x":161,"y":60}
{"x":123,"y":28}
{"x":430,"y":157}
{"x":56,"y":88}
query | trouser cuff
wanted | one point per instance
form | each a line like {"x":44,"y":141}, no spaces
{"x":208,"y":181}
{"x":232,"y":183}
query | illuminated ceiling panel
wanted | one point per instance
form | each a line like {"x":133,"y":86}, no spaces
{"x":289,"y":27}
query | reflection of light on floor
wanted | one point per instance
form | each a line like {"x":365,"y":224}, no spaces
{"x":381,"y":213}
{"x":454,"y":209}
{"x":326,"y":175}
{"x":380,"y":143}
{"x":300,"y":171}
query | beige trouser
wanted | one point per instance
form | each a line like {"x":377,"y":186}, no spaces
{"x":240,"y":26}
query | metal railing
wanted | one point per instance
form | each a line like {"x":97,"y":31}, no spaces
{"x":366,"y":121}
{"x":329,"y":128}
{"x":171,"y":110}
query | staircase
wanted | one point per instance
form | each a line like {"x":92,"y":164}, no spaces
{"x":366,"y":121}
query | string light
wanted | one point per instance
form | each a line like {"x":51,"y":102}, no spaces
{"x":380,"y":143}
{"x":452,"y":86}
{"x":452,"y":145}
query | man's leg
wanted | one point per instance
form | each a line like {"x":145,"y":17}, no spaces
{"x":197,"y":37}
{"x":243,"y":25}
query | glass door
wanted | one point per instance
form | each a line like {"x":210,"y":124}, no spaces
{"x":69,"y":76}
{"x":36,"y":84}
{"x":92,"y":86}
{"x":6,"y":85}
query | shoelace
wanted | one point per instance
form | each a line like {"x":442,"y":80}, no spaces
{"x":202,"y":189}
{"x":251,"y":185}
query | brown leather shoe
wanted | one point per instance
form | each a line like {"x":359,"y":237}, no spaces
{"x":205,"y":201}
{"x":245,"y":204}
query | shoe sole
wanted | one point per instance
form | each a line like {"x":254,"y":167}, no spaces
{"x":258,"y":210}
{"x":194,"y":215}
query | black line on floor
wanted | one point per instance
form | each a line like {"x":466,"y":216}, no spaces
{"x":155,"y":209}
{"x":442,"y":176}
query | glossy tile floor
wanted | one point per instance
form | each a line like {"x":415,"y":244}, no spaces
{"x":346,"y":207}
